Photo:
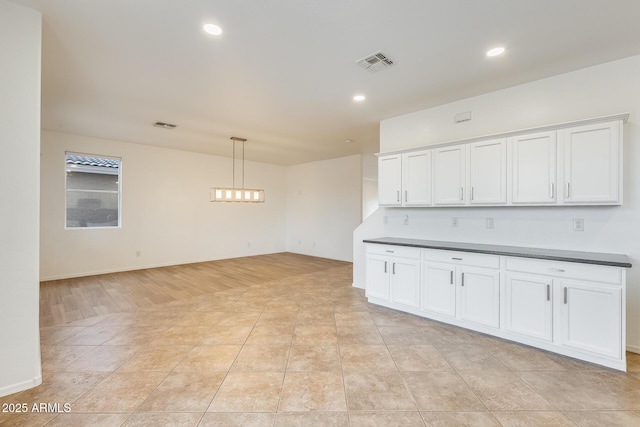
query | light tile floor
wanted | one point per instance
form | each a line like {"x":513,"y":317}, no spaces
{"x":304,"y":351}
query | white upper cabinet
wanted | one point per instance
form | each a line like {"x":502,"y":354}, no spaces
{"x":389,"y":180}
{"x":405,"y":179}
{"x":488,"y":172}
{"x":579,"y":164}
{"x":592,"y":163}
{"x":449,"y":175}
{"x":533,"y":168}
{"x":416,"y":178}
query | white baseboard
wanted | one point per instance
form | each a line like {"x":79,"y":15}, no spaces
{"x":633,"y":348}
{"x":21,"y":386}
{"x":167,"y":264}
{"x":137,"y":267}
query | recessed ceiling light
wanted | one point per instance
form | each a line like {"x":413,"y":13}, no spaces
{"x":359,"y":98}
{"x":212,"y":29}
{"x":495,"y":51}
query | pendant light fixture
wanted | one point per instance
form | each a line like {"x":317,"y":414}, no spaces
{"x":233,"y":194}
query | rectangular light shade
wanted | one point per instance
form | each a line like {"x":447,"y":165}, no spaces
{"x":246,"y":195}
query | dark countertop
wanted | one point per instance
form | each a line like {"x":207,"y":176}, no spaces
{"x":614,"y":260}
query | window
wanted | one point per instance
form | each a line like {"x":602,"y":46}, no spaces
{"x":93,"y":191}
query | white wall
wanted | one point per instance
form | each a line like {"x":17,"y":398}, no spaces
{"x":166,"y":212}
{"x":369,"y":184}
{"x":20,"y":32}
{"x":324,"y":207}
{"x":591,"y":92}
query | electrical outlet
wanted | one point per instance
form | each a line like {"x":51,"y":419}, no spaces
{"x":454,"y":222}
{"x":405,"y":220}
{"x":137,"y":253}
{"x":578,"y":224}
{"x":489,"y":222}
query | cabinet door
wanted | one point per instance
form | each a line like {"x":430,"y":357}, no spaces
{"x":592,"y":317}
{"x":533,"y":168}
{"x":528,"y":306}
{"x":488,"y":172}
{"x":389,"y":180}
{"x":449,"y":175}
{"x":439,"y":289}
{"x":405,"y":282}
{"x":592,"y":163}
{"x":378,"y":277}
{"x":480,"y":296}
{"x":416,"y":171}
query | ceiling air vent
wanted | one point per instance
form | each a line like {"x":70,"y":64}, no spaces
{"x":375,"y":62}
{"x":164,"y":125}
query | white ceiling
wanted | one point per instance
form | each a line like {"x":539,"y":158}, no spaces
{"x":283,"y":73}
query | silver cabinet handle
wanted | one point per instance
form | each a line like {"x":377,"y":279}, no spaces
{"x":461,"y":193}
{"x":551,"y":186}
{"x":385,"y":266}
{"x":451,"y":278}
{"x":405,"y":196}
{"x":462,"y":279}
{"x":457,"y":259}
{"x":393,"y":268}
{"x":557,"y":270}
{"x":565,"y":295}
{"x":389,"y":251}
{"x":398,"y":196}
{"x":548,"y":292}
{"x":472,"y":192}
{"x":568,"y":193}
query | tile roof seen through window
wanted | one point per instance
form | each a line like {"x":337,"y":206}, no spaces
{"x":92,"y":161}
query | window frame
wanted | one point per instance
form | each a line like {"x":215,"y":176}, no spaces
{"x":119,"y":191}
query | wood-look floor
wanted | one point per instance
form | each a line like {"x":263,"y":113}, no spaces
{"x":67,"y":300}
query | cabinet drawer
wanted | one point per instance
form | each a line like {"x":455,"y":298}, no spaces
{"x":571,"y":270}
{"x":462,"y":258}
{"x":392,"y":250}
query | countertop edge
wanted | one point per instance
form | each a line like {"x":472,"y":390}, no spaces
{"x":521,"y":252}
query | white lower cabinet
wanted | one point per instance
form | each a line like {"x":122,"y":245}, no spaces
{"x":377,"y":276}
{"x":465,"y":293}
{"x":569,"y":308}
{"x":465,"y":287}
{"x":393,"y":275}
{"x":439,"y":288}
{"x":480,"y":296}
{"x":591,"y":317}
{"x":577,"y":308}
{"x":589,"y":314}
{"x":405,"y":282}
{"x":528,"y":306}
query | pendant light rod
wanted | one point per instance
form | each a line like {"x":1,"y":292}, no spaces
{"x":242,"y":140}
